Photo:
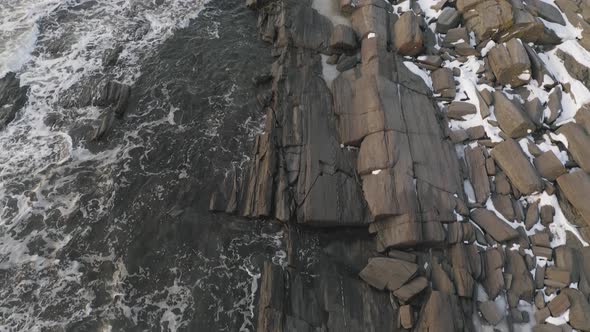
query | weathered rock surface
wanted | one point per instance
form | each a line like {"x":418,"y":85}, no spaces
{"x":493,"y":225}
{"x":388,"y":273}
{"x":509,"y":156}
{"x":510,"y":63}
{"x":576,"y":188}
{"x":578,"y":141}
{"x":511,"y":117}
{"x":549,"y":166}
{"x":408,"y":35}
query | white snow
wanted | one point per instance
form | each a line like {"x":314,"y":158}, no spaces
{"x":329,"y":72}
{"x":420,"y":72}
{"x":375,"y":172}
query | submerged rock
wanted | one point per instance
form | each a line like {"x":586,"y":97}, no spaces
{"x":12,"y":98}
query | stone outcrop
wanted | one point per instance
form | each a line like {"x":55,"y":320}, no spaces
{"x":12,"y":98}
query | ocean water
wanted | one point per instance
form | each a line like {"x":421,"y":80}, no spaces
{"x":114,"y":234}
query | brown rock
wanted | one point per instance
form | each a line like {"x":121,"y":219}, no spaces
{"x":515,"y":164}
{"x":406,"y":316}
{"x":549,"y":166}
{"x":436,"y":314}
{"x":547,"y":213}
{"x":556,"y":277}
{"x":443,"y":82}
{"x":579,"y":309}
{"x":493,"y":225}
{"x":503,"y":204}
{"x":411,"y":289}
{"x":476,"y":159}
{"x":558,"y":305}
{"x":387,"y":273}
{"x":343,"y":38}
{"x":510,"y":63}
{"x":511,"y":117}
{"x":449,"y":18}
{"x":575,"y":186}
{"x":408,"y":36}
{"x":488,"y":17}
{"x":532,"y":215}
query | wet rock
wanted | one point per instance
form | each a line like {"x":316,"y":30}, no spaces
{"x":511,"y":117}
{"x":408,"y":35}
{"x":443,"y":82}
{"x":12,"y":98}
{"x":575,"y":186}
{"x":411,"y":289}
{"x":490,"y":312}
{"x":578,"y":141}
{"x":545,"y":11}
{"x":458,"y":109}
{"x":515,"y":164}
{"x":475,"y":158}
{"x":488,"y":18}
{"x":343,"y":38}
{"x":510,"y":63}
{"x":449,"y":18}
{"x":387,"y":273}
{"x":115,"y":95}
{"x":493,"y":225}
{"x":549,"y":166}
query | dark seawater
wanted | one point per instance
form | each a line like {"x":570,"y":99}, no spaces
{"x":115,"y":234}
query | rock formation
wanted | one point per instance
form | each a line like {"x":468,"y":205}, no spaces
{"x":457,"y":184}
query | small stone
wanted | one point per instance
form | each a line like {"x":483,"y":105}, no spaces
{"x":558,"y":305}
{"x":390,"y":273}
{"x":547,"y":213}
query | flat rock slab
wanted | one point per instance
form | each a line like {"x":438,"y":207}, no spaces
{"x":388,"y":273}
{"x":511,"y":159}
{"x":549,"y":166}
{"x":458,"y":109}
{"x":493,"y":225}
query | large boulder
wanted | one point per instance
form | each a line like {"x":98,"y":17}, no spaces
{"x":408,"y":36}
{"x":545,"y":10}
{"x":549,"y":166}
{"x":509,"y":156}
{"x":487,"y":18}
{"x":449,"y":18}
{"x":511,"y":117}
{"x":475,"y":158}
{"x":510,"y":63}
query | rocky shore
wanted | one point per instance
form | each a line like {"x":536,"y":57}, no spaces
{"x":438,"y":153}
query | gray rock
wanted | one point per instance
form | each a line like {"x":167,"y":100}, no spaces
{"x":554,"y":104}
{"x":449,"y":18}
{"x":545,"y":10}
{"x":510,"y":63}
{"x":509,"y":156}
{"x":539,"y":72}
{"x":12,"y":98}
{"x":511,"y":117}
{"x":343,"y":38}
{"x":455,"y":36}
